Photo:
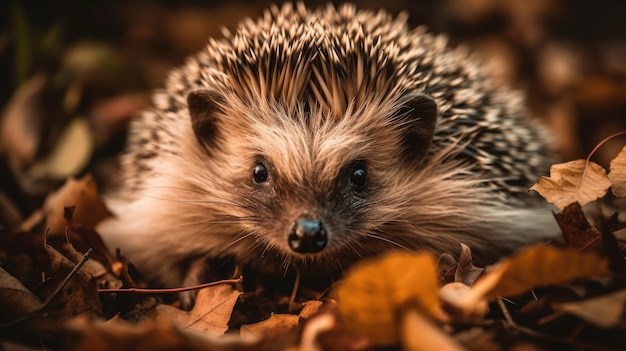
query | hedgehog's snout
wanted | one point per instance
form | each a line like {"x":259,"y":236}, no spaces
{"x":308,"y":236}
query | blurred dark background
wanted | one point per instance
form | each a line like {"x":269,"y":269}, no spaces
{"x":96,"y":62}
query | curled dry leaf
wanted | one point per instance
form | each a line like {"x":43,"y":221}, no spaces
{"x":617,"y":174}
{"x":462,"y":270}
{"x":466,"y":272}
{"x":210,"y":314}
{"x":373,"y":292}
{"x":81,"y":193}
{"x":574,"y":181}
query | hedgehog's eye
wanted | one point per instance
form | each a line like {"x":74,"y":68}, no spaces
{"x":259,"y":173}
{"x":358,"y":177}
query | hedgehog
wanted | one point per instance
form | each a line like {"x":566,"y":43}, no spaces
{"x":309,"y":139}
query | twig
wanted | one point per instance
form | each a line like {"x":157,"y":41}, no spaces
{"x":172,"y":290}
{"x":296,"y":285}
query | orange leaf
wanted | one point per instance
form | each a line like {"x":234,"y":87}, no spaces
{"x":371,"y":295}
{"x":541,"y":266}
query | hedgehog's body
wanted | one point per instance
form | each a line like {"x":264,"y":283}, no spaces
{"x":316,"y":138}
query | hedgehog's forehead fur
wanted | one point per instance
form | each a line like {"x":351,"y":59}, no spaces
{"x":337,"y":59}
{"x":309,"y":144}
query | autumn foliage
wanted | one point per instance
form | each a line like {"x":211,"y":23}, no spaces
{"x":413,"y":300}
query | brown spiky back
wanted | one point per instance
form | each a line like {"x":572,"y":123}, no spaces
{"x":337,"y":59}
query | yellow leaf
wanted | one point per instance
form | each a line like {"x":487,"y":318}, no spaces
{"x":617,"y":174}
{"x":372,"y":294}
{"x":541,"y":266}
{"x":574,"y":181}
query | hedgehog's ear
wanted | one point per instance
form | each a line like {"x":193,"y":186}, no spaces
{"x":419,"y":114}
{"x":204,"y":107}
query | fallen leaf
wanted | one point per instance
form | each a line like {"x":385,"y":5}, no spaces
{"x":275,"y":322}
{"x":88,"y":235}
{"x":605,"y":311}
{"x":69,"y":292}
{"x":210,"y":314}
{"x":466,"y":272}
{"x":372,"y":293}
{"x":310,"y":308}
{"x":84,"y":334}
{"x":577,"y":231}
{"x":538,"y":266}
{"x":617,"y":174}
{"x":462,"y":271}
{"x":104,"y":278}
{"x":70,"y":154}
{"x":580,"y":234}
{"x":15,"y":300}
{"x":574,"y":181}
{"x":81,"y":193}
{"x":21,"y":124}
{"x":532,"y":267}
{"x":419,"y":333}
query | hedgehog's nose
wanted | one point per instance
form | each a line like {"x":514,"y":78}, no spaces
{"x":308,"y":236}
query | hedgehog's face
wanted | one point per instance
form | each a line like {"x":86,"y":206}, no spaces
{"x":307,"y":215}
{"x":312,"y":185}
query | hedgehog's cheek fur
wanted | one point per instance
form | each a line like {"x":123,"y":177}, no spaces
{"x":419,"y":114}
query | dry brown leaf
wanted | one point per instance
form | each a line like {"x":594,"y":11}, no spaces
{"x":274,"y":323}
{"x":78,"y":296}
{"x":574,"y":181}
{"x":210,"y":314}
{"x":617,"y":174}
{"x":580,"y":234}
{"x":462,"y":270}
{"x":466,"y":272}
{"x":15,"y":300}
{"x":577,"y":231}
{"x":83,"y":334}
{"x":81,"y":193}
{"x":372,"y":293}
{"x":603,"y":311}
{"x":310,"y":308}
